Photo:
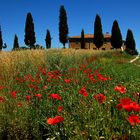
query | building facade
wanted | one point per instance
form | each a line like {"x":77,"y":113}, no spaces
{"x":74,"y":42}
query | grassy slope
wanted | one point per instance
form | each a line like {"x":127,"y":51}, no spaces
{"x":78,"y":125}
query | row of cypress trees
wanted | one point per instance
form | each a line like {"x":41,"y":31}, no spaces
{"x":116,"y":37}
{"x":30,"y":39}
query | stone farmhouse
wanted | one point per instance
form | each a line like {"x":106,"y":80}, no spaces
{"x":74,"y":42}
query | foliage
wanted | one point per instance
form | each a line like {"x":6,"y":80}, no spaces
{"x":130,"y":43}
{"x":30,"y":38}
{"x":82,"y":40}
{"x":116,"y":37}
{"x":98,"y":35}
{"x":67,"y":94}
{"x":48,"y":40}
{"x":63,"y":26}
{"x":16,"y":44}
{"x":1,"y":41}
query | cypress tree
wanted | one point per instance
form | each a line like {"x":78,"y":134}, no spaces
{"x":48,"y":40}
{"x":82,"y":40}
{"x":1,"y":41}
{"x":98,"y":35}
{"x":116,"y":36}
{"x":130,"y":43}
{"x":29,"y":31}
{"x":16,"y":44}
{"x":63,"y":26}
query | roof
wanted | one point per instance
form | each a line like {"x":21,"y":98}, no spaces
{"x":107,"y":35}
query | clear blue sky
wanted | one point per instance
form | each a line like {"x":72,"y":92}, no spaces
{"x":80,"y":13}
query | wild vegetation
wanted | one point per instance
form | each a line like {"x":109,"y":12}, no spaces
{"x":69,"y":94}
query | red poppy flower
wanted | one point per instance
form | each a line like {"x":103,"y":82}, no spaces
{"x":43,"y":71}
{"x":20,"y":80}
{"x":19,"y":105}
{"x":33,"y":80}
{"x":120,"y":88}
{"x":36,"y":88}
{"x":31,"y":86}
{"x":91,"y":77}
{"x":100,"y":98}
{"x":83,"y":66}
{"x":132,"y":107}
{"x":45,"y":87}
{"x":87,"y":71}
{"x":13,"y":94}
{"x":60,"y":108}
{"x":67,"y":80}
{"x":128,"y":105}
{"x":102,"y":78}
{"x":2,"y":99}
{"x":133,"y":119}
{"x":83,"y":91}
{"x":1,"y":87}
{"x":28,"y":77}
{"x":28,"y":98}
{"x":55,"y":96}
{"x":38,"y":95}
{"x":136,"y":107}
{"x":50,"y":74}
{"x":125,"y":101}
{"x":56,"y":120}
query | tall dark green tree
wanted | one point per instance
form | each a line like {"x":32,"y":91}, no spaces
{"x":116,"y":36}
{"x":48,"y":40}
{"x":98,"y":35}
{"x":30,"y":38}
{"x":16,"y":44}
{"x":1,"y":41}
{"x":130,"y":43}
{"x":82,"y":40}
{"x":63,"y":26}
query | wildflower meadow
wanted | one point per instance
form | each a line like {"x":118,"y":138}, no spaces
{"x":69,"y":95}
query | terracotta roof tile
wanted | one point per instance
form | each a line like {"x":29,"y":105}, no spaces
{"x":91,"y":36}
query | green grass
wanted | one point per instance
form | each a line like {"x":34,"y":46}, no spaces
{"x":26,"y":73}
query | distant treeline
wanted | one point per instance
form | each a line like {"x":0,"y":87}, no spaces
{"x":30,"y":38}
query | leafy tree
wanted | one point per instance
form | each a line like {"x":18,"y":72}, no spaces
{"x":130,"y":43}
{"x":30,"y":38}
{"x":63,"y":26}
{"x":1,"y":41}
{"x":82,"y":40}
{"x":48,"y":40}
{"x":16,"y":44}
{"x":98,"y":35}
{"x":116,"y":36}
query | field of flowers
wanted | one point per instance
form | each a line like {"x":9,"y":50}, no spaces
{"x":69,"y":95}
